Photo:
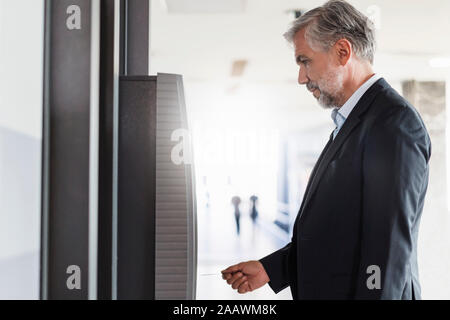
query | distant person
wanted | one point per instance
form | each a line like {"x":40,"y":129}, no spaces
{"x":355,"y":236}
{"x":254,"y":212}
{"x":236,"y":201}
{"x":207,"y":196}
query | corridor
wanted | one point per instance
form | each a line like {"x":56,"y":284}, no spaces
{"x":219,"y":246}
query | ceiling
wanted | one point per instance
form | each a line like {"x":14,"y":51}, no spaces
{"x":203,"y":46}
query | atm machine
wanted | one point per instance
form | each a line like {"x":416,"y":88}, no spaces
{"x":118,"y":191}
{"x":156,"y":198}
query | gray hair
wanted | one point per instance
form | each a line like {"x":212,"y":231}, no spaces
{"x":335,"y":20}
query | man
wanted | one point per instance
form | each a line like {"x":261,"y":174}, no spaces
{"x":355,"y":236}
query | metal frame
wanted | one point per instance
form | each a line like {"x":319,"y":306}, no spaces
{"x":81,"y":141}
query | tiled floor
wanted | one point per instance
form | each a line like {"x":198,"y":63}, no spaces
{"x":219,"y":247}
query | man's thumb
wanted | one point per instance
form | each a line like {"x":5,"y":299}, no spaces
{"x":233,"y":268}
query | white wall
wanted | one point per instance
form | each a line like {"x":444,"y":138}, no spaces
{"x":21,"y":56}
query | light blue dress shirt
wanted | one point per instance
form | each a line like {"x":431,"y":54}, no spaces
{"x":338,"y":119}
{"x":339,"y":115}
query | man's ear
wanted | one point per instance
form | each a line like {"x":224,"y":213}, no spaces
{"x":344,"y":50}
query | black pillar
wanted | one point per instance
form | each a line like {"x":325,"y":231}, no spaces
{"x":106,"y":151}
{"x":67,"y":141}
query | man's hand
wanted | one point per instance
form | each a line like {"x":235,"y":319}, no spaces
{"x":246,"y":276}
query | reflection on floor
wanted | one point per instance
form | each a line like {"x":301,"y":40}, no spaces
{"x":219,"y":247}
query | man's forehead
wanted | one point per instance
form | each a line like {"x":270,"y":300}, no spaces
{"x":301,"y":46}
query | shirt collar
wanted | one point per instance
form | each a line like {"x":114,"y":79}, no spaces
{"x":353,"y":100}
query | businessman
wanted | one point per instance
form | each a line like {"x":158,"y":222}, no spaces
{"x":355,"y":236}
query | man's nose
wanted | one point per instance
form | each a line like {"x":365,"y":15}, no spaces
{"x":302,"y":78}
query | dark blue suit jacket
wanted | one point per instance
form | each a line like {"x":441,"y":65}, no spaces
{"x":361,"y":208}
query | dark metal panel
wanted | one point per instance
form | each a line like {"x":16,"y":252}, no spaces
{"x":67,"y":114}
{"x":123,"y":37}
{"x":136,"y":186}
{"x":135,"y":35}
{"x":138,"y":29}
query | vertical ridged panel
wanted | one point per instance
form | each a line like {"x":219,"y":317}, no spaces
{"x":175,"y":270}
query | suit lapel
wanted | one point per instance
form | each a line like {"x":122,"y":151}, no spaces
{"x":352,"y":121}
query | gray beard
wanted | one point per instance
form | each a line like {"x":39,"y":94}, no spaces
{"x":327,"y":101}
{"x":332,"y":96}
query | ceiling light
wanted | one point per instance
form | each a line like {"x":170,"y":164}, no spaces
{"x":238,"y":68}
{"x":441,"y":62}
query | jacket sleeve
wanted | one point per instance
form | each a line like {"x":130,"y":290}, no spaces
{"x":277,"y":268}
{"x":395,"y":178}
